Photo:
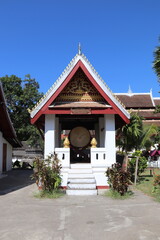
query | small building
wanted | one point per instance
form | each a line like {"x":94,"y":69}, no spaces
{"x":27,"y":153}
{"x":8,"y":138}
{"x":80,"y":104}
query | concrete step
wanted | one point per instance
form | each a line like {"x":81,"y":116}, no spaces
{"x":81,"y":186}
{"x":82,"y":180}
{"x":81,"y":165}
{"x":82,"y":170}
{"x":80,"y":192}
{"x":80,"y":175}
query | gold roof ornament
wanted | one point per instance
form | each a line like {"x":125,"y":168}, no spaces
{"x":93,"y":143}
{"x":66,"y":143}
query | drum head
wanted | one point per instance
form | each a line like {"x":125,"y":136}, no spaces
{"x":79,"y":137}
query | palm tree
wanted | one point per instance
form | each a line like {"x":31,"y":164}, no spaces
{"x":129,"y":136}
{"x":135,"y":136}
{"x":148,"y":137}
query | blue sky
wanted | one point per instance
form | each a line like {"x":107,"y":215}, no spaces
{"x":40,"y":37}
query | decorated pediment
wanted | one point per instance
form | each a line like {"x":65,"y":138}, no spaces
{"x":79,"y":86}
{"x":79,"y":89}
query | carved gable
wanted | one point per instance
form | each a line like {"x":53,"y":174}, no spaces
{"x":79,"y":89}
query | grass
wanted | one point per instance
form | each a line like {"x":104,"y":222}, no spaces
{"x":47,"y":194}
{"x":145,"y":184}
{"x":115,"y":195}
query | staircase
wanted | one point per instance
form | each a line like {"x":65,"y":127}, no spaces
{"x":81,"y":180}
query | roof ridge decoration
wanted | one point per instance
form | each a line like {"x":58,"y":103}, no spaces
{"x":152,"y":98}
{"x":72,"y":63}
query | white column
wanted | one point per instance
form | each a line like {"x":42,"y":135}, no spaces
{"x":60,"y":130}
{"x":57,"y":136}
{"x":110,"y":143}
{"x":49,"y":147}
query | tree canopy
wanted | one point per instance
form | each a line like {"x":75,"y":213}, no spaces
{"x":156,"y":62}
{"x":136,"y":136}
{"x":21,"y":95}
{"x":131,"y":133}
{"x":156,"y":67}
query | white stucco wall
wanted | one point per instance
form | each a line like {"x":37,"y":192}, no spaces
{"x":9,"y":154}
{"x":50,"y":128}
{"x":57,"y":132}
{"x":110,"y":140}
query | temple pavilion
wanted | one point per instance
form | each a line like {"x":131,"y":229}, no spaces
{"x":78,"y":117}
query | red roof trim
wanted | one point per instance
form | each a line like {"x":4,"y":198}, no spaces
{"x":68,"y":111}
{"x":79,"y":64}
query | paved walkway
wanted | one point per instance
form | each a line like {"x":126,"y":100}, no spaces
{"x":23,"y":217}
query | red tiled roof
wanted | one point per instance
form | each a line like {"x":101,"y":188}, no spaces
{"x":136,"y":100}
{"x":148,"y":114}
{"x":153,"y":121}
{"x":157,"y":101}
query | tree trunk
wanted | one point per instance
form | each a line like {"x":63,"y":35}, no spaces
{"x":125,"y":162}
{"x":136,"y":170}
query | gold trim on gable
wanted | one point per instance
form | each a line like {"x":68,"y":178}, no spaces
{"x":79,"y":89}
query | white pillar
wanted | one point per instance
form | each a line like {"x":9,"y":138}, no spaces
{"x":110,"y":141}
{"x":57,"y":136}
{"x":49,"y":147}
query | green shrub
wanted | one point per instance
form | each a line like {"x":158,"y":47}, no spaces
{"x":47,"y":173}
{"x":142,"y":164}
{"x":49,"y":194}
{"x":118,"y":180}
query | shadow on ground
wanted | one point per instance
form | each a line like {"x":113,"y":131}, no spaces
{"x":15,"y":179}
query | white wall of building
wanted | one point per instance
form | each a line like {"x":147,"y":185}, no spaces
{"x":50,"y":128}
{"x":109,"y":139}
{"x":57,"y":132}
{"x":9,"y":154}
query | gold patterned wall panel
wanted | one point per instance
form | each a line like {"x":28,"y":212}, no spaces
{"x":79,"y":89}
